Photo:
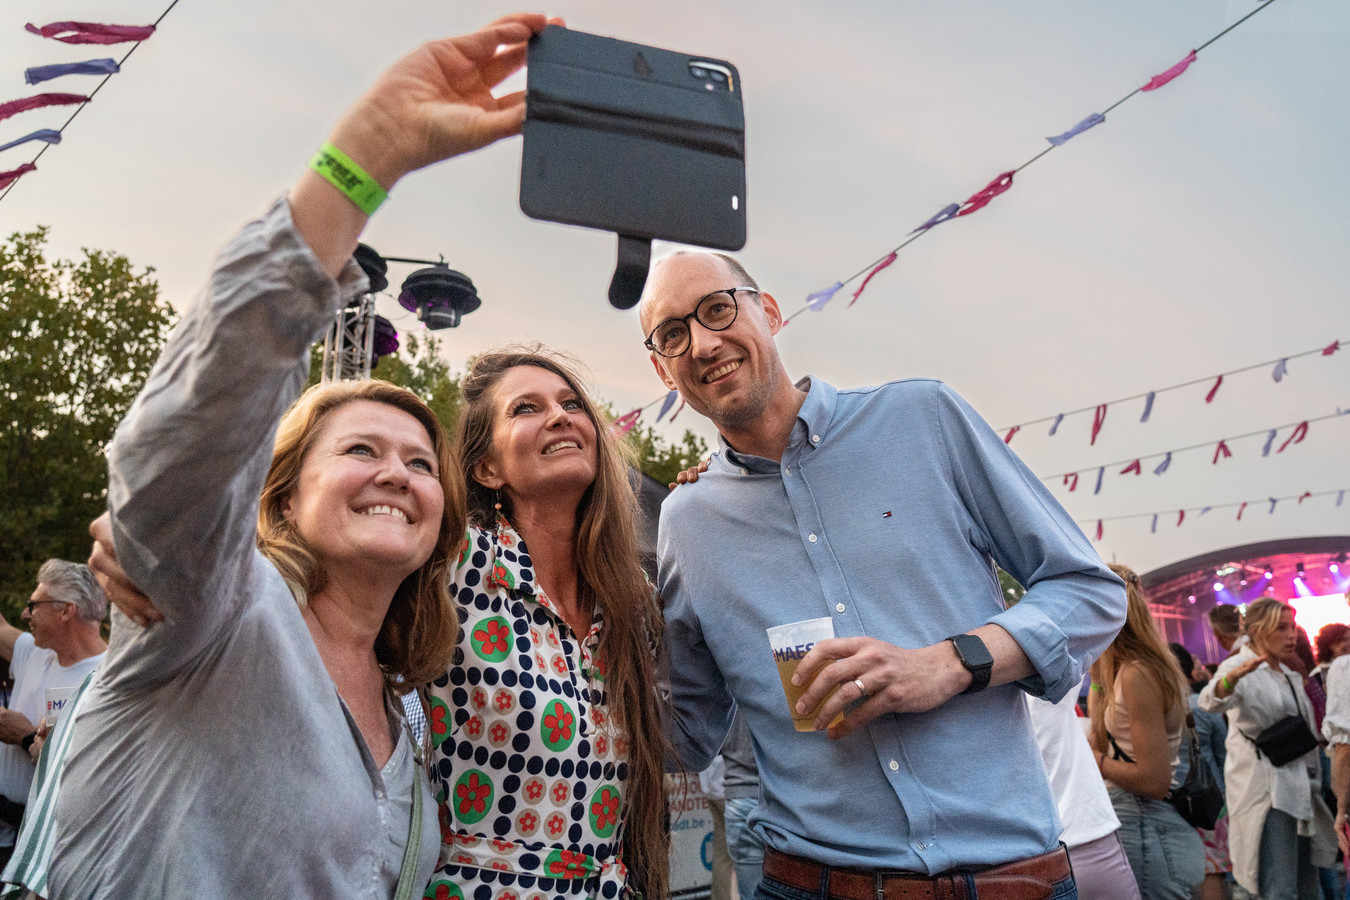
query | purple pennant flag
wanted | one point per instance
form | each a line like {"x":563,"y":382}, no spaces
{"x":1270,"y":439}
{"x":1340,"y":497}
{"x":1154,"y":528}
{"x":1281,"y":370}
{"x":1055,"y":427}
{"x":1100,"y":472}
{"x":1162,"y":78}
{"x":1090,"y":121}
{"x":1162,"y":466}
{"x":39,"y":74}
{"x":50,"y":135}
{"x":818,"y":300}
{"x":92,"y":32}
{"x":948,"y":212}
{"x":13,"y":175}
{"x":1148,"y":406}
{"x":665,"y":406}
{"x":1273,"y":501}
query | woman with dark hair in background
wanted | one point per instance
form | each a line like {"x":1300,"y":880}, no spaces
{"x":1210,"y":732}
{"x":1138,"y":710}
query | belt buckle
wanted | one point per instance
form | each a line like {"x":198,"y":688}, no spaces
{"x":879,"y":884}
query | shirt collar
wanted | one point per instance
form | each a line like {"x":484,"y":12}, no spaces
{"x":519,"y":575}
{"x":810,"y":430}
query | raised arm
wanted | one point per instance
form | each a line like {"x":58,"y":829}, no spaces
{"x":8,"y":635}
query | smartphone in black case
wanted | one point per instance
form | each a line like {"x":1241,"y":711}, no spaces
{"x":645,"y":142}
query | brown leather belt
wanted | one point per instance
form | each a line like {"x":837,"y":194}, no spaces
{"x":1027,"y":879}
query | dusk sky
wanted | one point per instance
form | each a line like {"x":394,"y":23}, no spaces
{"x":1201,"y":229}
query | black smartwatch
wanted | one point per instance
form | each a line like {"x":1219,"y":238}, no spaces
{"x":974,"y":655}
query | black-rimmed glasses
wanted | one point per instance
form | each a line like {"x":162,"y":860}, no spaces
{"x":32,"y":603}
{"x":715,"y":312}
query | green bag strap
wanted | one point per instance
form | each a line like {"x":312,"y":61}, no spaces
{"x":408,"y":873}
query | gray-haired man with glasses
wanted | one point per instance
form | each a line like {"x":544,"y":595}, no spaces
{"x":63,"y":646}
{"x":883,"y":509}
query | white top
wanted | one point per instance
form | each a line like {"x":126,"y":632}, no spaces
{"x":34,"y":670}
{"x":1336,"y":722}
{"x":1084,"y":806}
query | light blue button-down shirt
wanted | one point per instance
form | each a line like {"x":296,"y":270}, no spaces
{"x":887,"y":513}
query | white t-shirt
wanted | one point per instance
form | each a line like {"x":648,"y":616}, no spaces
{"x":1080,"y":794}
{"x":34,"y":670}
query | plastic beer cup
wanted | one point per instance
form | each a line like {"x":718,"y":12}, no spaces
{"x":790,"y":643}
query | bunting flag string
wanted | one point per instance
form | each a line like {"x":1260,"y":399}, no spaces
{"x":92,"y":32}
{"x":862,"y":287}
{"x":1221,"y":450}
{"x":667,"y":404}
{"x":624,"y":423}
{"x":49,"y":135}
{"x":13,"y":175}
{"x":82,"y":33}
{"x":1003,"y":182}
{"x":1240,"y":505}
{"x":39,"y":74}
{"x":1007,"y":438}
{"x":1099,"y":409}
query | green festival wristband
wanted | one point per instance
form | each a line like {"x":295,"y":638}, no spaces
{"x":345,"y":175}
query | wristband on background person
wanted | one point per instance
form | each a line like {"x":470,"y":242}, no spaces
{"x":339,"y":170}
{"x":1227,"y":685}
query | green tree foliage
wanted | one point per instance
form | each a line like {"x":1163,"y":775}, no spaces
{"x":77,"y":339}
{"x":662,"y":459}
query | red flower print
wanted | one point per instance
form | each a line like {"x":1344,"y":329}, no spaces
{"x":555,"y":825}
{"x":539,"y":660}
{"x":498,"y":864}
{"x":559,"y":723}
{"x":505,"y":539}
{"x":606,"y":809}
{"x":499,"y":733}
{"x":601,"y":745}
{"x":561,"y":791}
{"x":601,"y":667}
{"x":560,"y":665}
{"x":598,"y":715}
{"x":568,"y":865}
{"x":474,"y":727}
{"x":495,"y":637}
{"x":621,"y":746}
{"x":534,"y":789}
{"x":472,"y":794}
{"x":552,"y":638}
{"x":438,"y":724}
{"x":479,"y":698}
{"x":535,"y":637}
{"x":443,"y":892}
{"x":503,"y":701}
{"x":528,"y":822}
{"x":508,"y":895}
{"x":502,"y":846}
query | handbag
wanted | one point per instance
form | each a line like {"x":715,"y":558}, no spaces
{"x":1287,"y":739}
{"x":1198,"y":798}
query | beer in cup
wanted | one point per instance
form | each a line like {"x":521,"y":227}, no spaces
{"x":57,"y":698}
{"x":790,"y":643}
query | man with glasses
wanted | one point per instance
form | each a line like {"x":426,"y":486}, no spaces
{"x":64,"y":646}
{"x":884,"y":509}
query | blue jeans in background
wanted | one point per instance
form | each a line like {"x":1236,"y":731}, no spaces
{"x":745,"y":847}
{"x":1166,"y":854}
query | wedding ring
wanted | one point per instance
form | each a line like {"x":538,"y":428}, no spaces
{"x":862,"y":691}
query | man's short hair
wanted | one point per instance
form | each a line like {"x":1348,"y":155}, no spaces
{"x":1225,"y":619}
{"x":743,"y":278}
{"x":74,"y":583}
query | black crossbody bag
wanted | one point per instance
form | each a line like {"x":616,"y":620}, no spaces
{"x":1198,"y":798}
{"x":1287,"y":739}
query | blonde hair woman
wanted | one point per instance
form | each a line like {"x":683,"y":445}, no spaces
{"x":1271,"y":808}
{"x":1138,"y":710}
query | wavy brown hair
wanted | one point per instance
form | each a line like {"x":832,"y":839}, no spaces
{"x":1139,"y":641}
{"x":421,"y":629}
{"x":610,"y":574}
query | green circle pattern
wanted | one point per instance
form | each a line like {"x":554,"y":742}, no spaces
{"x":558,"y":726}
{"x":440,"y":889}
{"x":472,"y":799}
{"x":604,"y":808}
{"x":492,"y":639}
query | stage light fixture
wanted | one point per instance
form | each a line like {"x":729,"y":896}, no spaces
{"x":1270,"y":573}
{"x":1300,"y":570}
{"x":439,"y":295}
{"x":1218,"y":586}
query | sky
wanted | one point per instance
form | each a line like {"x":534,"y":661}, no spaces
{"x":1201,"y":229}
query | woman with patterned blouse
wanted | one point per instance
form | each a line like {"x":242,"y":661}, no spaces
{"x":545,"y":733}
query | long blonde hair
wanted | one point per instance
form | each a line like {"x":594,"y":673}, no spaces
{"x":421,"y":629}
{"x":1262,"y":618}
{"x":1139,"y":641}
{"x":610,"y":573}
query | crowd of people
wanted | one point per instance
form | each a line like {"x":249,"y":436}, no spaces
{"x":294,"y":573}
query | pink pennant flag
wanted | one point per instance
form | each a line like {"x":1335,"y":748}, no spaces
{"x":1071,"y":480}
{"x":1181,"y":517}
{"x":1209,"y":398}
{"x":1221,"y":449}
{"x":1007,"y":438}
{"x":625,"y":422}
{"x":1162,"y":78}
{"x":92,"y":32}
{"x":1132,"y":467}
{"x":1331,"y":348}
{"x":1304,"y":496}
{"x":1099,"y":529}
{"x":1297,"y":437}
{"x":1241,"y":510}
{"x":13,"y":175}
{"x":677,"y":410}
{"x":37,"y":101}
{"x":877,"y":268}
{"x":980,"y":199}
{"x":1098,"y":419}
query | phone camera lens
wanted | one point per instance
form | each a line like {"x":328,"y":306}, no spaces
{"x":717,"y":76}
{"x":699,"y":72}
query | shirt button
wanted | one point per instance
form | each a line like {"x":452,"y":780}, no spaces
{"x":895,"y":766}
{"x":788,"y":470}
{"x":922,"y":845}
{"x":839,"y":607}
{"x":812,"y":538}
{"x":815,"y":439}
{"x":743,"y":472}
